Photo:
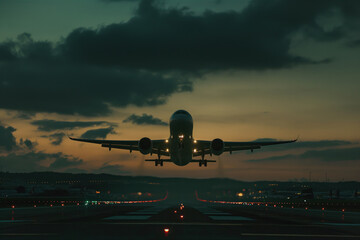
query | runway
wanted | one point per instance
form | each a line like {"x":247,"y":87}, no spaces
{"x":170,"y":220}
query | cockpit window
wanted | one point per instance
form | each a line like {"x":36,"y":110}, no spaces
{"x":182,"y":112}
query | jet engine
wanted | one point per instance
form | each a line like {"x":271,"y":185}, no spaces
{"x":217,"y":146}
{"x":145,"y":145}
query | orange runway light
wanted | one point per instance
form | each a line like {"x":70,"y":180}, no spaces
{"x":182,"y":216}
{"x":166,"y":230}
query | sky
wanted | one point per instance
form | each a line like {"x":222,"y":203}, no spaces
{"x":245,"y":70}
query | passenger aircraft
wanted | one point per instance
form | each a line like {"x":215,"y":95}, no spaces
{"x":181,"y":147}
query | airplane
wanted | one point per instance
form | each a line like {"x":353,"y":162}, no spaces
{"x":181,"y":147}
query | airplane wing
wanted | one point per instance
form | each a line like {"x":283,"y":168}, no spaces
{"x":204,"y":146}
{"x":132,"y":145}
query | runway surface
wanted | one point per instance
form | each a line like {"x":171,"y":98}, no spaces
{"x":170,"y":220}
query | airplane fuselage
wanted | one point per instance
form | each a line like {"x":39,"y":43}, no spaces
{"x":181,"y":142}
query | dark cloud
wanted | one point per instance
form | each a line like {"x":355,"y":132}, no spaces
{"x":27,"y":143}
{"x":145,"y":120}
{"x":115,"y":169}
{"x":56,"y":138}
{"x":48,"y":125}
{"x":259,"y":37}
{"x":98,"y":133}
{"x":38,"y":78}
{"x":25,"y":115}
{"x":326,"y":155}
{"x":34,"y":161}
{"x":354,"y":43}
{"x":145,"y":60}
{"x":64,"y":161}
{"x":7,"y":139}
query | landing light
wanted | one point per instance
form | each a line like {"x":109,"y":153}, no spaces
{"x":195,"y":141}
{"x":195,"y":150}
{"x":166,"y":230}
{"x":182,"y":216}
{"x":181,"y":136}
{"x":166,"y":140}
{"x":167,"y":150}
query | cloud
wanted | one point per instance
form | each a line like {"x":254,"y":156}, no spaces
{"x":354,"y":43}
{"x":48,"y":125}
{"x":98,"y":133}
{"x":39,"y":78}
{"x":25,"y":115}
{"x":64,"y":161}
{"x":36,"y":161}
{"x":150,"y":57}
{"x":27,"y":143}
{"x":145,"y":120}
{"x":115,"y":169}
{"x":326,"y":155}
{"x":23,"y":158}
{"x":56,"y":138}
{"x":7,"y":139}
{"x":259,"y":37}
